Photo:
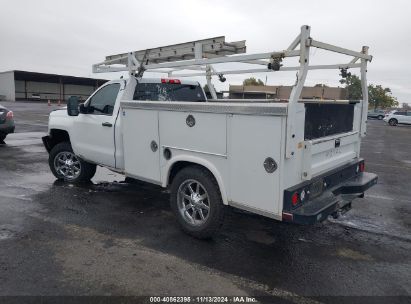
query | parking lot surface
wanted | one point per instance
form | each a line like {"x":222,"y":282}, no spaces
{"x":113,"y":238}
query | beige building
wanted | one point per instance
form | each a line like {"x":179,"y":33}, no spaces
{"x":283,"y":92}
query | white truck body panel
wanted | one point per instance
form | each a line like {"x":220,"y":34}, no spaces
{"x":230,"y":144}
{"x":176,"y":135}
{"x":250,"y":142}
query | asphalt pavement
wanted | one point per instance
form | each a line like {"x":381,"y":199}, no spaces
{"x":110,"y":238}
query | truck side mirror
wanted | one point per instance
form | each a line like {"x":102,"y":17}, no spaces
{"x":72,"y":106}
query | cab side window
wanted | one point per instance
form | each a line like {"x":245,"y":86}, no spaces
{"x":104,"y":100}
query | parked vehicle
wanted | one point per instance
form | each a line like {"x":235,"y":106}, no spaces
{"x":379,"y":114}
{"x":398,"y":117}
{"x":6,"y":123}
{"x":295,"y":161}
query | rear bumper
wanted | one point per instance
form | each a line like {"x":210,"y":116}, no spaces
{"x":334,"y":199}
{"x":7,"y":128}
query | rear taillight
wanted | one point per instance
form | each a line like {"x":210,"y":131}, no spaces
{"x":9,"y":115}
{"x":172,"y":81}
{"x":294,"y":199}
{"x":362,"y":167}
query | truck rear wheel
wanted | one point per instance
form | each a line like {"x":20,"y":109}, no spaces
{"x":196,"y":201}
{"x":65,"y":165}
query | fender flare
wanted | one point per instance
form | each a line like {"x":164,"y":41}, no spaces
{"x":55,"y":136}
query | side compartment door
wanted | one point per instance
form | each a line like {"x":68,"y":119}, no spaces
{"x":141,"y":144}
{"x":253,"y":141}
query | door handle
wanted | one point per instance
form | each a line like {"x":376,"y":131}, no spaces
{"x":106,"y":124}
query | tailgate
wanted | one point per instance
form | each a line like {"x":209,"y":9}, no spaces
{"x":330,"y":138}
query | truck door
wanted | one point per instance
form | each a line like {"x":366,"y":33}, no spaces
{"x":93,"y":132}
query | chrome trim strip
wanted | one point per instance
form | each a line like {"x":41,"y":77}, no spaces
{"x":261,"y":109}
{"x":194,"y":151}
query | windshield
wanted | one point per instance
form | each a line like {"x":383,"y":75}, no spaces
{"x":168,"y":92}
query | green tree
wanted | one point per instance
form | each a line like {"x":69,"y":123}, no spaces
{"x":253,"y":81}
{"x":378,"y":96}
{"x":353,"y":86}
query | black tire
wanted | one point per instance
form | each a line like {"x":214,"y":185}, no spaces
{"x":393,"y":122}
{"x":2,"y":137}
{"x":215,"y":213}
{"x":380,"y":117}
{"x":86,"y":171}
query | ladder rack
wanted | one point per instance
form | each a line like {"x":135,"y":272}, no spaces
{"x":210,"y":48}
{"x":199,"y":57}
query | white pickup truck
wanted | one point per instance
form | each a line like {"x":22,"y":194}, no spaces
{"x":295,"y":160}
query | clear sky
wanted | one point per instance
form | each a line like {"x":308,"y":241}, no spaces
{"x":67,"y":37}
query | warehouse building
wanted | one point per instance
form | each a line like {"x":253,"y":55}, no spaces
{"x":23,"y":85}
{"x":283,"y":92}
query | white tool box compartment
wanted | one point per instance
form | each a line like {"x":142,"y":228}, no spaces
{"x":193,"y":131}
{"x":141,"y":144}
{"x":252,"y":141}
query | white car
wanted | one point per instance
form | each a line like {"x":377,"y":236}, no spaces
{"x":398,"y":117}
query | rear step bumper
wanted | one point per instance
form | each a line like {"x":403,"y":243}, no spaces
{"x":331,"y":201}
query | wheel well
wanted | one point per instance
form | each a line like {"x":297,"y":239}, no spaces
{"x":178,"y":166}
{"x":57,"y":136}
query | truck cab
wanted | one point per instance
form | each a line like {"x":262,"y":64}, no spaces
{"x":95,"y":133}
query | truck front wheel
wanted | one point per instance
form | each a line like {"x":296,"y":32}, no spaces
{"x":196,"y":201}
{"x":67,"y":166}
